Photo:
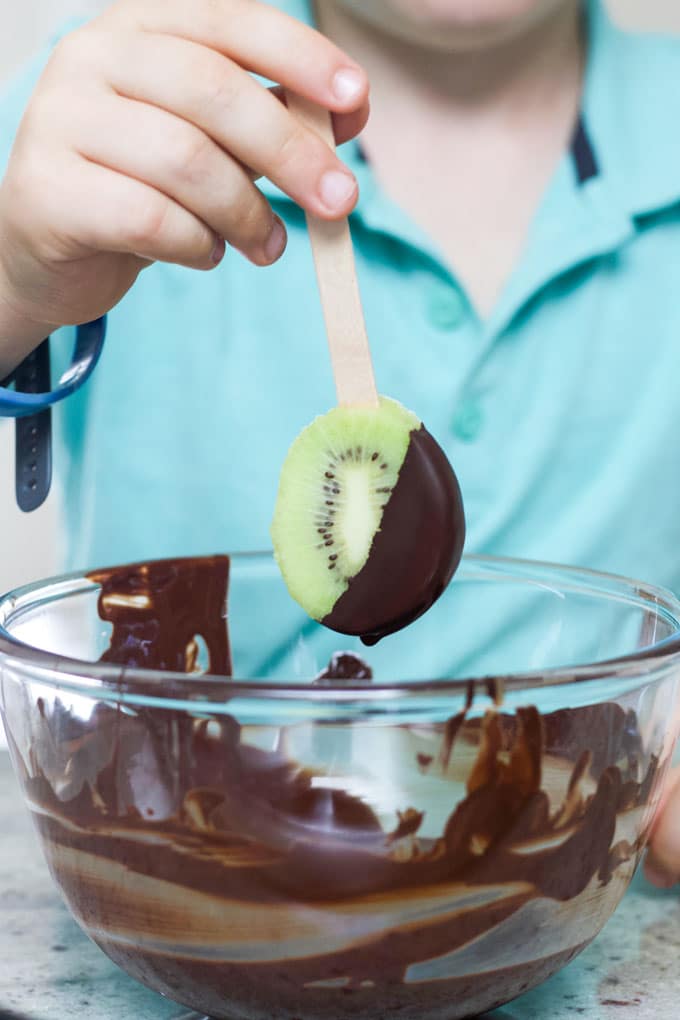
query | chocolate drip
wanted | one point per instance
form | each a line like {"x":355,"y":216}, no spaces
{"x":415,"y":552}
{"x":159,"y":609}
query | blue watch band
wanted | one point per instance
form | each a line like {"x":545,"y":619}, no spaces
{"x":31,"y":402}
{"x":26,"y":400}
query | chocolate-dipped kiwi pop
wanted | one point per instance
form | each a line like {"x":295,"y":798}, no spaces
{"x":369,"y":525}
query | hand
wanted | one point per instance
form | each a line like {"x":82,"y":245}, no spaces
{"x":662,"y":866}
{"x":142,"y":143}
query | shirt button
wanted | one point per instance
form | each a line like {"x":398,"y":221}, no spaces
{"x":446,"y":308}
{"x":468,"y":421}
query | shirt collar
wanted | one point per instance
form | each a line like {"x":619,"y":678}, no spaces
{"x":630,"y":108}
{"x":630,"y":112}
{"x":631,"y":126}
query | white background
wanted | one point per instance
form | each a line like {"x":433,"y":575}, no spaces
{"x":28,"y":544}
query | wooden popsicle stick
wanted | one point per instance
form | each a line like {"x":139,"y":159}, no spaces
{"x":338,"y":286}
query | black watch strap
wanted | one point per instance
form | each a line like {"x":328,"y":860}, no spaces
{"x":33,"y":472}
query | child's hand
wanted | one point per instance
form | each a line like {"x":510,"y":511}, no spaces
{"x":141,"y":143}
{"x":662,"y":866}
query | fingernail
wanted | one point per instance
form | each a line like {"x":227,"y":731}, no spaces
{"x":658,"y":876}
{"x":219,"y":251}
{"x":348,"y":84}
{"x":275,"y":245}
{"x":336,"y":189}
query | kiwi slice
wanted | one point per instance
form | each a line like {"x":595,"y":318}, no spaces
{"x":335,"y":483}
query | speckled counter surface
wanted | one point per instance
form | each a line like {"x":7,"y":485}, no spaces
{"x":50,"y":971}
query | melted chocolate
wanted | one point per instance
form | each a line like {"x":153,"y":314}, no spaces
{"x":248,"y":829}
{"x":213,"y":867}
{"x":415,"y":552}
{"x":159,"y":609}
{"x":344,"y":666}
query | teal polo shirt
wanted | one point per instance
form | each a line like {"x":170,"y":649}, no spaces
{"x":560,"y":412}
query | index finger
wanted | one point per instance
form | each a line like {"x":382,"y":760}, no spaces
{"x":263,"y":40}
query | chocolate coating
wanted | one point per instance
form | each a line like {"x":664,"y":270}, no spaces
{"x":414,"y":554}
{"x":214,"y":867}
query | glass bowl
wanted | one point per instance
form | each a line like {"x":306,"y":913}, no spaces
{"x":295,"y":842}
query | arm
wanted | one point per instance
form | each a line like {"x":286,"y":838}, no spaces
{"x":19,"y":335}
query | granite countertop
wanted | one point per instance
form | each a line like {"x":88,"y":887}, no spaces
{"x":50,"y":971}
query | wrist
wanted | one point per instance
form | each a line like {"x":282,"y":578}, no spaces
{"x":19,"y":332}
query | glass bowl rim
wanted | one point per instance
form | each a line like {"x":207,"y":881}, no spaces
{"x":64,"y":672}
